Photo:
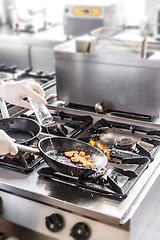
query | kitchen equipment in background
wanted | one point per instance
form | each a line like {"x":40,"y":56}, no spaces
{"x":99,"y":108}
{"x":150,"y":21}
{"x":83,"y":43}
{"x":27,"y":20}
{"x":3,"y":18}
{"x":156,"y":22}
{"x":127,"y":84}
{"x":150,"y":24}
{"x":118,"y":42}
{"x":79,"y":20}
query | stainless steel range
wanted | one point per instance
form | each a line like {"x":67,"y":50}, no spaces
{"x":39,"y":203}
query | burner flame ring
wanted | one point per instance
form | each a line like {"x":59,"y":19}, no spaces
{"x":124,"y":143}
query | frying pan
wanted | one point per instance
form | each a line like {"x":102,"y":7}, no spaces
{"x":52,"y":150}
{"x":23,"y":130}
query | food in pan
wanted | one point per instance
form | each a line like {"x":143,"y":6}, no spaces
{"x":71,"y":153}
{"x":80,"y":157}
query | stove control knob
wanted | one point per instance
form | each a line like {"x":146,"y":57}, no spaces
{"x":80,"y":231}
{"x":54,"y":222}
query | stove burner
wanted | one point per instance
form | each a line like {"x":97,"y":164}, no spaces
{"x":107,"y":183}
{"x":111,"y":183}
{"x":124,"y":143}
{"x":68,"y":125}
{"x":23,"y":162}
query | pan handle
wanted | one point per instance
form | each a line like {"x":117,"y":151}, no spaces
{"x":25,"y":148}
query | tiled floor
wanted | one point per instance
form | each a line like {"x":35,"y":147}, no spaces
{"x":145,"y":224}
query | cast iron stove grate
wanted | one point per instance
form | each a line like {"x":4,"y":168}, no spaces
{"x":123,"y":162}
{"x":68,"y":125}
{"x":109,"y":183}
{"x":105,"y":188}
{"x":23,"y":162}
{"x":125,"y":132}
{"x":25,"y":73}
{"x":125,"y":165}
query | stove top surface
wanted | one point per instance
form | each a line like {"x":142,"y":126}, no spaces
{"x":55,"y":190}
{"x":130,"y":168}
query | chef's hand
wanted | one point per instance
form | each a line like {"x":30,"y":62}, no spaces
{"x":7,"y":144}
{"x":14,"y":92}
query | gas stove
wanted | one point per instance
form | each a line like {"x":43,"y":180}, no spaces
{"x":58,"y":206}
{"x":82,"y":201}
{"x":130,"y":153}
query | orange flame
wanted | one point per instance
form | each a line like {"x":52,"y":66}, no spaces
{"x":92,"y":142}
{"x":105,"y":150}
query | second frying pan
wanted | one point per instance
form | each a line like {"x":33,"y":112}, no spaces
{"x":23,"y":130}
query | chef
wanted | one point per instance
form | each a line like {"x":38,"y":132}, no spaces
{"x":14,"y":92}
